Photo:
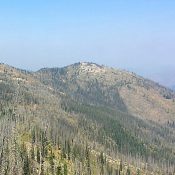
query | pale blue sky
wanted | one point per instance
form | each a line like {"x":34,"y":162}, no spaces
{"x":138,"y":35}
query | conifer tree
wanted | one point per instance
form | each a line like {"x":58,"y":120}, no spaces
{"x":26,"y":166}
{"x":65,"y":169}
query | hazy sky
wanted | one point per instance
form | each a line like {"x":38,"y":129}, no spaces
{"x":138,"y":35}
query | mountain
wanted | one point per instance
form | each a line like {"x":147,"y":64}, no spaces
{"x":84,"y":119}
{"x":165,"y":76}
{"x":173,"y":88}
{"x":94,"y":84}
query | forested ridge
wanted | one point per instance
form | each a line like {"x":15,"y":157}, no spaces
{"x":84,"y":119}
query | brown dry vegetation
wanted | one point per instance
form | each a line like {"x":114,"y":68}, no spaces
{"x":84,"y":119}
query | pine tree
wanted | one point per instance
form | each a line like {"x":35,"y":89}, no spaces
{"x":65,"y":169}
{"x":38,"y":155}
{"x":68,"y":150}
{"x":51,"y":161}
{"x":26,"y":166}
{"x":121,"y":166}
{"x":88,"y":160}
{"x":59,"y":170}
{"x":32,"y":151}
{"x":138,"y":172}
{"x":128,"y":172}
{"x":42,"y":167}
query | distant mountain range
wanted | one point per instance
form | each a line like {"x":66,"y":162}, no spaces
{"x":85,"y":119}
{"x":173,"y":87}
{"x":166,"y":77}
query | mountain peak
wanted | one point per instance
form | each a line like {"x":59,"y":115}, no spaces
{"x":91,"y":67}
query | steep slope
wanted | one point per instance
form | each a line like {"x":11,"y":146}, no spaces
{"x":76,"y":120}
{"x":142,"y":110}
{"x":82,"y":86}
{"x":29,"y":113}
{"x":37,"y":135}
{"x":94,"y":84}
